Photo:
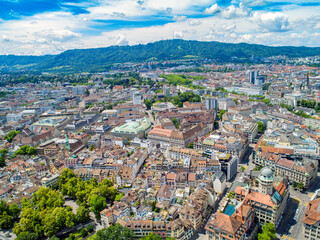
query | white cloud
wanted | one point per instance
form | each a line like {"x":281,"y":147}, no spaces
{"x":179,"y":18}
{"x":213,"y":9}
{"x":194,"y":22}
{"x":271,"y":21}
{"x":121,"y":40}
{"x":60,"y":35}
{"x":177,"y":35}
{"x":257,"y":3}
{"x":236,"y":12}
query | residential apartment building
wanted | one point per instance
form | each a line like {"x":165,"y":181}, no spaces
{"x":240,"y":225}
{"x":268,"y":200}
{"x":175,"y":137}
{"x":304,"y":171}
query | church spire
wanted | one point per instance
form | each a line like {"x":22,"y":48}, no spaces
{"x":67,"y":142}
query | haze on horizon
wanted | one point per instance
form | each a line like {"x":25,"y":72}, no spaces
{"x":37,"y":27}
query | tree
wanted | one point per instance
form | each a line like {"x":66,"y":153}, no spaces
{"x":8,"y":214}
{"x":54,"y":238}
{"x":110,"y":107}
{"x":266,"y":87}
{"x":190,"y":145}
{"x":261,"y":127}
{"x":5,"y":221}
{"x":257,"y":168}
{"x":235,"y":101}
{"x":151,"y":236}
{"x":97,"y":204}
{"x":90,"y":228}
{"x":14,"y":211}
{"x":83,"y":232}
{"x":87,"y":92}
{"x":300,"y":185}
{"x":25,"y":150}
{"x":268,"y":232}
{"x":10,"y":136}
{"x":175,"y":122}
{"x":221,"y":112}
{"x":148,"y":104}
{"x":288,"y":107}
{"x":91,"y":147}
{"x":2,"y":162}
{"x":4,"y":151}
{"x":65,"y":175}
{"x":27,"y":236}
{"x":45,"y":215}
{"x":82,"y":215}
{"x":294,"y":184}
{"x":115,"y":232}
{"x":231,"y":195}
{"x":242,"y":169}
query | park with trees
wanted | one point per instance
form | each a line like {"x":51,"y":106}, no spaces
{"x":46,"y":214}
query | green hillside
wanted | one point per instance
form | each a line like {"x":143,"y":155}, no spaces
{"x":99,"y":59}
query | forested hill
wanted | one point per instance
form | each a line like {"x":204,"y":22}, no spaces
{"x":98,"y":59}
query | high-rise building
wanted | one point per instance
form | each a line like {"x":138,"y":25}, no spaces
{"x":308,"y":81}
{"x":137,"y":98}
{"x":78,"y":90}
{"x":166,"y":90}
{"x":133,"y":91}
{"x":211,"y":103}
{"x":256,"y":79}
{"x":253,"y":76}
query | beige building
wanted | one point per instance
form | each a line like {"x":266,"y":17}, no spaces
{"x":304,"y":171}
{"x":268,"y":200}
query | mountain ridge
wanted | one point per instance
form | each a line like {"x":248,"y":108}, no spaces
{"x":97,"y":59}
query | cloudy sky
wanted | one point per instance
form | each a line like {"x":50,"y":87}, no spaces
{"x":36,"y":27}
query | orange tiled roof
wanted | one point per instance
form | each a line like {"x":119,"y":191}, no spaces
{"x":259,"y":198}
{"x":312,"y":215}
{"x":281,"y":188}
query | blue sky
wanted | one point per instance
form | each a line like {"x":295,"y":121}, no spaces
{"x":36,"y":27}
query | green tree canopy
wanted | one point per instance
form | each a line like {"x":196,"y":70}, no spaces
{"x":25,"y":150}
{"x":8,"y":214}
{"x":115,"y":232}
{"x":97,"y":204}
{"x":300,"y":185}
{"x":268,"y":232}
{"x":10,"y":136}
{"x":151,"y":236}
{"x":27,"y":236}
{"x":45,"y":215}
{"x":82,"y":214}
{"x":148,"y":104}
{"x":221,"y":112}
{"x":261,"y":127}
{"x":175,"y":122}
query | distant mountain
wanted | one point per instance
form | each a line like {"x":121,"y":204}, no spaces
{"x":98,"y":59}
